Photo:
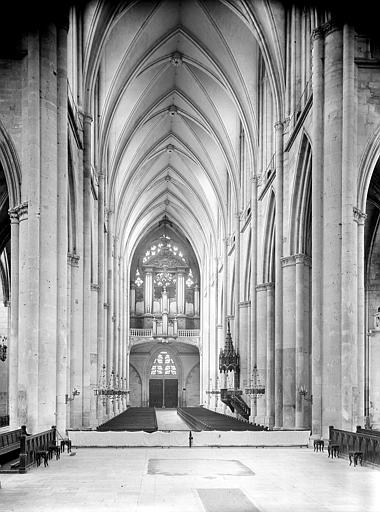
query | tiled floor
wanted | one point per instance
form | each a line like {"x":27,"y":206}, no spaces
{"x":193,"y":480}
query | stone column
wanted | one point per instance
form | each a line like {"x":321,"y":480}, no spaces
{"x":180,"y":292}
{"x":132,"y":300}
{"x":302,"y":351}
{"x":148,"y":291}
{"x":243,"y":350}
{"x":289,"y":341}
{"x":46,"y":211}
{"x":332,"y":230}
{"x":14,"y":299}
{"x":270,"y":374}
{"x":261,"y":349}
{"x":115,"y":316}
{"x":253,"y":316}
{"x":75,"y":351}
{"x":21,"y":404}
{"x":317,"y":227}
{"x":85,"y":392}
{"x":359,"y":218}
{"x":196,"y":300}
{"x":101,"y":294}
{"x":278,"y":283}
{"x":237,"y":282}
{"x":349,"y":384}
{"x":62,"y":228}
{"x":109,"y":334}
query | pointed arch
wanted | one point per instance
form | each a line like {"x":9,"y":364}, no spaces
{"x":300,"y":217}
{"x":368,"y":161}
{"x":269,"y":242}
{"x":247,"y":271}
{"x":10,"y":164}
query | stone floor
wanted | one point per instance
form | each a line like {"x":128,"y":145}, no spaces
{"x":168,"y":419}
{"x":193,"y":480}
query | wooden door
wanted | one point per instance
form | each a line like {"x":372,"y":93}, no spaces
{"x":171,"y":393}
{"x":155,"y":393}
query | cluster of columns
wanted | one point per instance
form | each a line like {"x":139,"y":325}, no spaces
{"x":336,"y":341}
{"x":38,"y":346}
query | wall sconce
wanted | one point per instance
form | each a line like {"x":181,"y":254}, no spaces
{"x":304,"y":393}
{"x":75,"y":392}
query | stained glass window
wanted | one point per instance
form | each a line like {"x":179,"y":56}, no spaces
{"x":163,"y":365}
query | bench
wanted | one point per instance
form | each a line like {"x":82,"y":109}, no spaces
{"x":10,"y":442}
{"x":333,"y":450}
{"x":65,"y":442}
{"x":42,"y":454}
{"x":319,"y":445}
{"x":355,"y":456}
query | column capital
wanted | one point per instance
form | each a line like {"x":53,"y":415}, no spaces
{"x":87,"y":118}
{"x":303,"y":258}
{"x":264,"y":287}
{"x":73,"y":259}
{"x":287,"y":261}
{"x":331,"y":26}
{"x":279,"y":125}
{"x":359,"y":216}
{"x":13,"y":215}
{"x":318,"y":33}
{"x":18,"y":213}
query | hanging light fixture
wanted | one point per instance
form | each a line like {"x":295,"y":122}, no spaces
{"x":256,"y":389}
{"x":115,"y":387}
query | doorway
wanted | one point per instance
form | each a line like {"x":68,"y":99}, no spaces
{"x":163,"y":393}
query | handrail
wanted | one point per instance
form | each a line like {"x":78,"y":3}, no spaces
{"x":187,"y":333}
{"x":143,"y":333}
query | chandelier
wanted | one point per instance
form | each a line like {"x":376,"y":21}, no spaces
{"x":3,"y":348}
{"x":256,"y":389}
{"x":113,"y":389}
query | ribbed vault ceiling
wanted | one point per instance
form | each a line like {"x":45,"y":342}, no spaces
{"x":177,"y":82}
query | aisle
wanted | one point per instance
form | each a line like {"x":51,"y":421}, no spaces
{"x":168,"y":419}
